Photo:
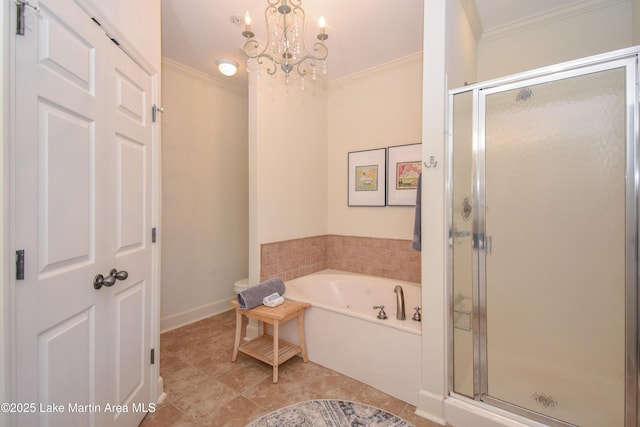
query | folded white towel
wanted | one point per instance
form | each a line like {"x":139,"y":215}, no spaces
{"x":273,"y":300}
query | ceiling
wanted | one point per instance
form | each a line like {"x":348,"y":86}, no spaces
{"x":362,"y":33}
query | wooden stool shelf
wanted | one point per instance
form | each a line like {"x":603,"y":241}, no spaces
{"x":267,"y":348}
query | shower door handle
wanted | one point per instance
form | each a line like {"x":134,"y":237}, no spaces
{"x":483,"y":242}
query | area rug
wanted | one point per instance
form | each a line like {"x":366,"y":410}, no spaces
{"x":329,"y":413}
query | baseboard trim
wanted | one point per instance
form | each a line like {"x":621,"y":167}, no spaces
{"x":160,"y":394}
{"x":186,"y":317}
{"x":462,"y":412}
{"x":430,"y":406}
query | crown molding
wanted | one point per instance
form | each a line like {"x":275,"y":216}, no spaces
{"x":204,"y":77}
{"x":374,"y":70}
{"x":546,"y":18}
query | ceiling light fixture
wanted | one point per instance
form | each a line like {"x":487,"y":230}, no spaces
{"x":286,"y":47}
{"x":227,"y":67}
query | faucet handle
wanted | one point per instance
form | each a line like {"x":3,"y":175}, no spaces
{"x":381,"y":315}
{"x":417,"y":316}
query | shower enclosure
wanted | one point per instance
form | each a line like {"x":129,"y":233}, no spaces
{"x":543,"y":234}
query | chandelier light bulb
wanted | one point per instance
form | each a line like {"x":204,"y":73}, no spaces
{"x":322,"y":36}
{"x":247,"y":26}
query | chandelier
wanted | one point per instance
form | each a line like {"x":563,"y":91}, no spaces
{"x":286,"y":47}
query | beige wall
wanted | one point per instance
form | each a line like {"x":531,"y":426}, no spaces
{"x":374,"y":109}
{"x":556,"y":38}
{"x":292,"y":158}
{"x":287,"y":163}
{"x":205,"y":204}
{"x":461,"y":47}
{"x":299,"y":144}
{"x":635,"y":23}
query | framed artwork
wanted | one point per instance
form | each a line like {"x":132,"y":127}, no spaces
{"x":367,"y":176}
{"x":403,"y":168}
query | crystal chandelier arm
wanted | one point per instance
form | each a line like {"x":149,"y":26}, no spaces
{"x":322,"y":49}
{"x":323,"y":52}
{"x":271,"y":69}
{"x":252,"y":45}
{"x":286,"y":45}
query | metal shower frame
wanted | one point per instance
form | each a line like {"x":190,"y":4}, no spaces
{"x":627,"y":58}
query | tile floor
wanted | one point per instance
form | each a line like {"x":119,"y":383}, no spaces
{"x":204,"y":388}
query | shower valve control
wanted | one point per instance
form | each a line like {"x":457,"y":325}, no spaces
{"x":381,"y":315}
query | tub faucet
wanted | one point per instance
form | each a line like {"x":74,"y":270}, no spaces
{"x":399,"y":303}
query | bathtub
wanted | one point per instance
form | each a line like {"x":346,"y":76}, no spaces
{"x":343,"y":333}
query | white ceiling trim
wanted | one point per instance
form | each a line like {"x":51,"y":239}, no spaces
{"x":373,"y":70}
{"x":230,"y":85}
{"x":554,"y":15}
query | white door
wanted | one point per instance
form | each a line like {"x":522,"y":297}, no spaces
{"x":82,"y":208}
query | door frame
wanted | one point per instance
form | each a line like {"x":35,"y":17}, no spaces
{"x":632,"y":320}
{"x":5,"y":232}
{"x":7,"y":188}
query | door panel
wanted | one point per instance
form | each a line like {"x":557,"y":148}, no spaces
{"x":66,"y":50}
{"x":461,"y":243}
{"x":66,"y":146}
{"x":555,"y":263}
{"x":131,"y":97}
{"x":59,"y":131}
{"x":130,"y":341}
{"x":131,"y":187}
{"x":131,"y":299}
{"x":82,"y":207}
{"x":58,"y":368}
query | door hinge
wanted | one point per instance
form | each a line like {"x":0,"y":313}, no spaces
{"x":153,"y":356}
{"x":154,"y":112}
{"x":20,"y":19}
{"x":20,"y":264}
{"x":153,"y":235}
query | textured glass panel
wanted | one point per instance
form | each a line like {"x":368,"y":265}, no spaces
{"x":555,"y":273}
{"x":462,"y":218}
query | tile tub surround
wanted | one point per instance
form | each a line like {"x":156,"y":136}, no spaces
{"x":390,"y":258}
{"x":289,"y":259}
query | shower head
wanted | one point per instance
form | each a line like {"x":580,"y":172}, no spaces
{"x":524,"y":94}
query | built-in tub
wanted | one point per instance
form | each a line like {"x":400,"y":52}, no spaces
{"x":343,"y":333}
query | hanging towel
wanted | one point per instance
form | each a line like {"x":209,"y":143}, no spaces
{"x":416,"y":243}
{"x":254,"y":295}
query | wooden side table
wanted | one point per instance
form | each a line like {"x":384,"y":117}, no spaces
{"x":266,"y":348}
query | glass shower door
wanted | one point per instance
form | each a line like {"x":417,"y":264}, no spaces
{"x":461,"y":243}
{"x":553,"y":189}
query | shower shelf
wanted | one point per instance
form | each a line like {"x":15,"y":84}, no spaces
{"x":462,"y":313}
